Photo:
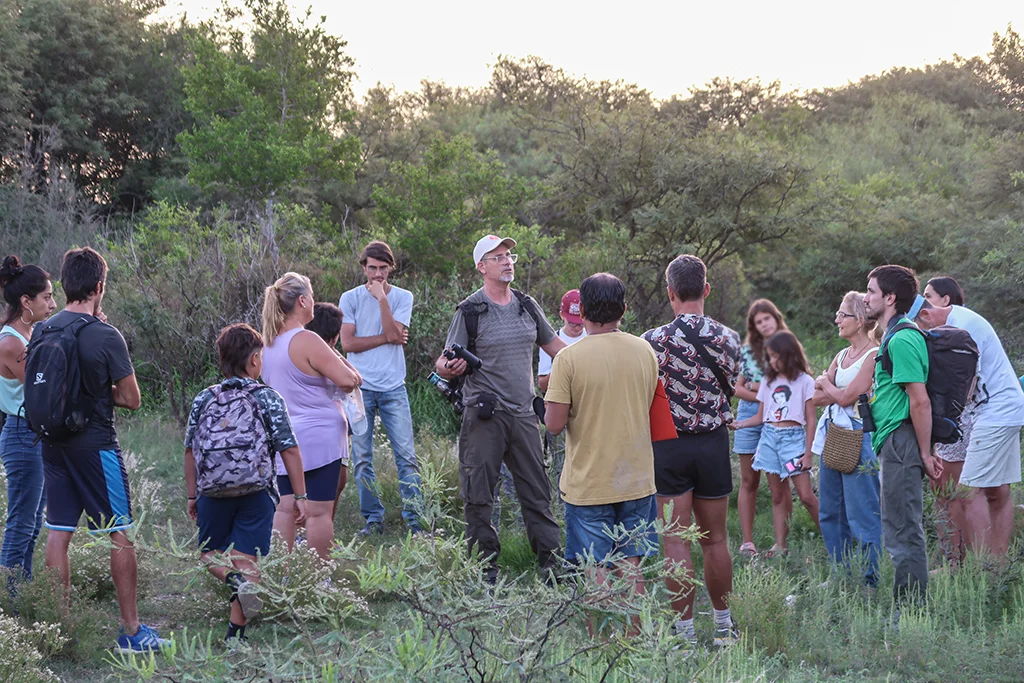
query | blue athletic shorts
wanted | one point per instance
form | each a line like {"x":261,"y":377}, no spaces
{"x":243,"y":521}
{"x":610,"y":529}
{"x":321,"y":483}
{"x":93,"y":482}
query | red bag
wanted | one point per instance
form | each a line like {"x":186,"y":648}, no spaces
{"x":663,"y":427}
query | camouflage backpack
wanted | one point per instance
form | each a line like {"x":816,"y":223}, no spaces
{"x":231,"y":445}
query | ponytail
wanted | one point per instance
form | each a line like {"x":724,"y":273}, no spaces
{"x":19,"y":280}
{"x":279,"y":300}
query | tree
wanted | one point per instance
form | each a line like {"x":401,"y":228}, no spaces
{"x":643,"y":186}
{"x":269,"y":105}
{"x":437,"y":208}
{"x":98,"y":73}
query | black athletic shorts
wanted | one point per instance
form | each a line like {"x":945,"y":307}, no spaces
{"x":694,"y":462}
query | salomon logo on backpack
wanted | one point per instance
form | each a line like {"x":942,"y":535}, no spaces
{"x":231,"y":445}
{"x":55,"y":407}
{"x":952,"y":373}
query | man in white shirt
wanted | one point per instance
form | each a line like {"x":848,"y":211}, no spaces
{"x":993,"y":455}
{"x":572,"y":331}
{"x":374,"y":330}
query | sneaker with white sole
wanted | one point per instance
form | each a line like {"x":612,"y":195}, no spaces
{"x":248,"y":599}
{"x":144,"y":640}
{"x":727,"y":635}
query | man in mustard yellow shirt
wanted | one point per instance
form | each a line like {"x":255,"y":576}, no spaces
{"x":600,"y":391}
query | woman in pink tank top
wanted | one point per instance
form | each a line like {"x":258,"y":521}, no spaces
{"x":300,"y":366}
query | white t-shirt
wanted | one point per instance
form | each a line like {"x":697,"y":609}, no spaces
{"x":544,"y":360}
{"x":999,"y":397}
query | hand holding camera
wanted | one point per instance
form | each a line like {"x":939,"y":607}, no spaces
{"x":460,"y":360}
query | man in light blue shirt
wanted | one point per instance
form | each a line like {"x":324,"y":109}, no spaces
{"x":374,"y":330}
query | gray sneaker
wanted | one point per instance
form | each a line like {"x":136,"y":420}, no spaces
{"x":371,"y":529}
{"x":727,"y":635}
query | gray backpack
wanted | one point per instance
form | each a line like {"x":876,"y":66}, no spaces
{"x":231,"y":444}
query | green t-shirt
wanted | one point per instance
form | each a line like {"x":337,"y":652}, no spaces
{"x":891,"y":405}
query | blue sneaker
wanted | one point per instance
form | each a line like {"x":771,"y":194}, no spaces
{"x":146,"y":640}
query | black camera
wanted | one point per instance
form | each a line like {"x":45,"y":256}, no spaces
{"x":450,"y":389}
{"x":460,"y":351}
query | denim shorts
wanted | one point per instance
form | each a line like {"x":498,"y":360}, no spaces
{"x":610,"y":529}
{"x":744,"y":441}
{"x":244,"y":522}
{"x":778,"y":446}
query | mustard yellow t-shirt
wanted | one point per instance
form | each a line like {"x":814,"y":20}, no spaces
{"x":608,"y":380}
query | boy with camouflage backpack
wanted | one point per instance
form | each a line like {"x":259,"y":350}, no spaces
{"x":234,"y":429}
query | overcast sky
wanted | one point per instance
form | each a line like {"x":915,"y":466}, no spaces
{"x":666,"y":47}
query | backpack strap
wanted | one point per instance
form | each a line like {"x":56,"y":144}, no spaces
{"x":702,"y":351}
{"x":471,"y":313}
{"x":883,"y":350}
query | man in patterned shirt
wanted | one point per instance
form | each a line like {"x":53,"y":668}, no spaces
{"x":699,"y":360}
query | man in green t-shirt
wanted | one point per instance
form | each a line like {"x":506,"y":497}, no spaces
{"x":903,"y":428}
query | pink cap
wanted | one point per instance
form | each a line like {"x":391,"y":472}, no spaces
{"x":571,"y":307}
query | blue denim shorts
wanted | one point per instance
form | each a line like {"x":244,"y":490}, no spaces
{"x":744,"y":441}
{"x":778,"y":446}
{"x":610,"y":529}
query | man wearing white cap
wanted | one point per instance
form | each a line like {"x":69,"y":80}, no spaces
{"x":499,"y":423}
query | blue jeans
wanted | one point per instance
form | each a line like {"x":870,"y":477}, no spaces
{"x":393,"y":407}
{"x":23,"y":461}
{"x":849,"y":512}
{"x":623,"y":529}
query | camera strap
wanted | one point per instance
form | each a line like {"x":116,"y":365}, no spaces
{"x":702,"y":351}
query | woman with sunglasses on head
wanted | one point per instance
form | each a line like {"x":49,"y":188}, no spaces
{"x":940,"y":292}
{"x":28,"y":296}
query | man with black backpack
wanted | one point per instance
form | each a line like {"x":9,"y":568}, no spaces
{"x":993,"y":453}
{"x":77,"y":370}
{"x":500,"y":326}
{"x":902,"y":437}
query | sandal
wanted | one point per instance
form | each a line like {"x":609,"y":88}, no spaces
{"x":774,"y":551}
{"x":748,"y":550}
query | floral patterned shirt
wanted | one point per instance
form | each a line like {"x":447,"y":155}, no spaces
{"x":699,"y":404}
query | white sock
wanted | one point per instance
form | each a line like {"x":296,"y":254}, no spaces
{"x":722,"y":617}
{"x":684,"y":628}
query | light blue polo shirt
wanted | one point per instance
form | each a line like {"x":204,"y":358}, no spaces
{"x":382,"y":368}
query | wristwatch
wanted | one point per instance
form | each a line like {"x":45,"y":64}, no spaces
{"x":302,"y":496}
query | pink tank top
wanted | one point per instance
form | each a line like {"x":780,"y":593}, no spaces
{"x":318,"y":425}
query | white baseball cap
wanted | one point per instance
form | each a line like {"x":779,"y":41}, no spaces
{"x":490,"y":243}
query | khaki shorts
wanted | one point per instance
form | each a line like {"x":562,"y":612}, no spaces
{"x":993,"y":457}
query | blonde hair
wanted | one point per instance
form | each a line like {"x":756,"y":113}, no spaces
{"x":279,"y":300}
{"x":855,"y":300}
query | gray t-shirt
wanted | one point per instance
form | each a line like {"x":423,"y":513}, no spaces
{"x":382,"y":368}
{"x":505,"y":339}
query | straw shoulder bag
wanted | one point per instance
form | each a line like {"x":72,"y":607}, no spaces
{"x":841,"y":451}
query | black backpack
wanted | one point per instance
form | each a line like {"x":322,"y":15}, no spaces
{"x":54,"y":405}
{"x":952,"y":373}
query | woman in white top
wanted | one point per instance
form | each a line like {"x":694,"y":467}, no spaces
{"x":849,"y":512}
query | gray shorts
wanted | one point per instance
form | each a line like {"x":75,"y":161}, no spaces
{"x":993,"y":457}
